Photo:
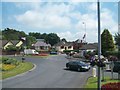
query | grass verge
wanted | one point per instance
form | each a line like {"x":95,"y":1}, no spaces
{"x":92,"y":82}
{"x":23,"y":67}
{"x":38,"y":56}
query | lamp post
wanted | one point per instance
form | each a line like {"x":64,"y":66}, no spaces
{"x":99,"y":45}
{"x":85,"y":30}
{"x":118,"y":35}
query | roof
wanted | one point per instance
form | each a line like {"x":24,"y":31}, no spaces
{"x":40,"y":43}
{"x":3,"y":42}
{"x":61,"y":43}
{"x":14,"y":42}
{"x":89,"y":46}
{"x":78,"y":41}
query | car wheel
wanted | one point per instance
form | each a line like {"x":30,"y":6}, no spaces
{"x":78,"y":69}
{"x":68,"y":67}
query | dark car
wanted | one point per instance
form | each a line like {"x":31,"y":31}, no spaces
{"x":53,"y":53}
{"x":78,"y":65}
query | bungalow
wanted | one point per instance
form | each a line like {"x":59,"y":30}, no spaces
{"x":17,"y":43}
{"x":61,"y":46}
{"x":89,"y":47}
{"x":40,"y":45}
{"x":6,"y":43}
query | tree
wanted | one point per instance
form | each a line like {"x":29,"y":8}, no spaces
{"x":29,"y":41}
{"x":52,"y":38}
{"x":0,"y":35}
{"x":36,"y":35}
{"x":117,"y":39}
{"x":12,"y":48}
{"x":44,"y":35}
{"x":107,"y":41}
{"x":12,"y":34}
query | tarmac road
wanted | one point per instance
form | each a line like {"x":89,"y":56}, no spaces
{"x":49,"y":73}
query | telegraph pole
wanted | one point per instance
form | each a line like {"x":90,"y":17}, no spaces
{"x":99,"y":46}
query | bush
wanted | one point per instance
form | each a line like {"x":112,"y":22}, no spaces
{"x":116,"y":67}
{"x":113,"y":53}
{"x":11,"y":48}
{"x":111,"y":86}
{"x":67,"y":51}
{"x":6,"y":67}
{"x":6,"y":60}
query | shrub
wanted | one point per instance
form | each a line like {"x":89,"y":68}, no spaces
{"x":113,"y":53}
{"x":111,"y":86}
{"x":67,"y":51}
{"x":6,"y":60}
{"x":6,"y":67}
{"x":116,"y":67}
{"x":112,"y":58}
{"x":11,"y":48}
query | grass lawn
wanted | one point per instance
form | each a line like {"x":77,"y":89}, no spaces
{"x":92,"y":82}
{"x":21,"y":68}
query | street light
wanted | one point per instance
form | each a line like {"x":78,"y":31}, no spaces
{"x":85,"y":31}
{"x":119,"y":28}
{"x":99,"y":45}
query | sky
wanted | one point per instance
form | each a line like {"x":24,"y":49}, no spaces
{"x":68,"y":19}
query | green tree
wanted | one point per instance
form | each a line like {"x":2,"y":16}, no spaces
{"x":117,"y":39}
{"x":36,"y":35}
{"x":107,"y":41}
{"x":12,"y":48}
{"x":0,"y":35}
{"x":44,"y":35}
{"x":52,"y":38}
{"x":12,"y":34}
{"x":29,"y":41}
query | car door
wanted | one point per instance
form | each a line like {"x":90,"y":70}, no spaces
{"x":74,"y":65}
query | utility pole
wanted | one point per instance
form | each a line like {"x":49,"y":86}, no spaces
{"x":99,"y":46}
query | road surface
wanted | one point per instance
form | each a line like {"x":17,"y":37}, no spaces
{"x":49,"y":73}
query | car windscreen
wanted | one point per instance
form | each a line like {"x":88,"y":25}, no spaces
{"x":82,"y":63}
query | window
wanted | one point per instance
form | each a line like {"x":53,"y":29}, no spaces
{"x":62,"y":47}
{"x":69,"y":47}
{"x":42,"y":47}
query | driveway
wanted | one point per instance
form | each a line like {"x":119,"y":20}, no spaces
{"x":49,"y":73}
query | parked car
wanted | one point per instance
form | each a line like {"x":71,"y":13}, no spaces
{"x":78,"y":65}
{"x":53,"y":53}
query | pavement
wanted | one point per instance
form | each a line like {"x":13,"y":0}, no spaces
{"x":49,"y":73}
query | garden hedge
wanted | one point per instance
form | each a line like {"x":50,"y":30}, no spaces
{"x":116,"y":66}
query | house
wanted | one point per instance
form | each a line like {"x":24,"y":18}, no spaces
{"x":40,"y":45}
{"x":6,"y":43}
{"x":78,"y":44}
{"x":17,"y":43}
{"x":62,"y":45}
{"x":89,"y":47}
